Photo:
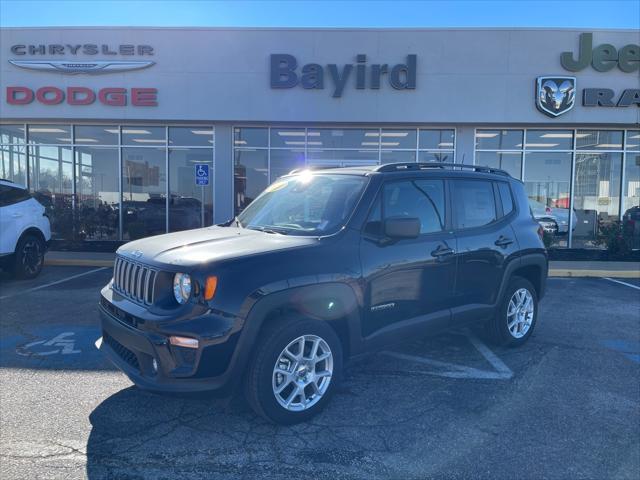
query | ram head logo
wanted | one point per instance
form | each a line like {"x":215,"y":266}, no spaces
{"x":555,"y":95}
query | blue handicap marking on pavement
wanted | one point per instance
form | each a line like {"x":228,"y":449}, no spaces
{"x":59,"y":347}
{"x":202,"y":174}
{"x":628,"y":348}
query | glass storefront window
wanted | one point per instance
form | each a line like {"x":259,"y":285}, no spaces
{"x":633,"y":140}
{"x":191,"y":136}
{"x":49,"y":134}
{"x":143,"y":136}
{"x":599,"y":140}
{"x":547,"y":179}
{"x":144,"y":195}
{"x":250,"y":137}
{"x":436,"y":139}
{"x":509,"y":161}
{"x":499,"y":139}
{"x":344,"y":158}
{"x":51,"y":180}
{"x":283,"y":161}
{"x":344,"y":138}
{"x":397,"y":139}
{"x":251,"y":168}
{"x":14,"y":163}
{"x":390,"y":156}
{"x":96,"y":135}
{"x":596,"y":196}
{"x":549,"y":140}
{"x":288,"y":138}
{"x":12,"y":134}
{"x":443,"y":157}
{"x":97,"y":193}
{"x":190,"y":205}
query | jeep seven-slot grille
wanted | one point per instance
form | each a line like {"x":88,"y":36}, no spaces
{"x":134,"y":280}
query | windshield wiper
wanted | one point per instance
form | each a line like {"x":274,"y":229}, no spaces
{"x":269,"y":229}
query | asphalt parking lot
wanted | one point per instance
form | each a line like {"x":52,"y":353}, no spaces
{"x":566,"y":405}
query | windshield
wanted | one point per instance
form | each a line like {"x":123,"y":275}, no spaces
{"x":304,"y":204}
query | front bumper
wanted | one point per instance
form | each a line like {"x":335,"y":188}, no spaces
{"x":175,"y":369}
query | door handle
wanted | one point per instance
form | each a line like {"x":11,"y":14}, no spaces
{"x":503,"y":241}
{"x":442,"y":251}
{"x":16,"y":215}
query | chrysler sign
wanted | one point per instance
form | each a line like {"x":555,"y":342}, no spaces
{"x":42,"y":57}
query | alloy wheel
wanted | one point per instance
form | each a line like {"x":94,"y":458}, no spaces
{"x":31,"y":256}
{"x":302,"y":373}
{"x":520,"y":313}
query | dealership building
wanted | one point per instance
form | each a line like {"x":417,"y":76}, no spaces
{"x":128,"y":132}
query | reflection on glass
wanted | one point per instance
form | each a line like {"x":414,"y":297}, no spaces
{"x":143,"y":136}
{"x":96,"y":135}
{"x":499,"y":139}
{"x":283,"y":161}
{"x":190,"y":205}
{"x":633,"y":140}
{"x":343,"y":138}
{"x":14,"y":163}
{"x":12,"y":134}
{"x":436,"y":139}
{"x":599,"y":140}
{"x":444,"y":157}
{"x":250,"y":137}
{"x":52,"y":134}
{"x":341,"y":158}
{"x":399,"y":156}
{"x":547,"y":179}
{"x":397,"y":138}
{"x":51,"y":180}
{"x":287,"y":138}
{"x":250,"y":176}
{"x":509,"y":161}
{"x":596,"y":197}
{"x":97,"y":193}
{"x":144,"y":183}
{"x":191,"y":136}
{"x":631,"y":198}
{"x":549,"y":140}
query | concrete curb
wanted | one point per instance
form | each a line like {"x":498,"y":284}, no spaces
{"x":554,"y":272}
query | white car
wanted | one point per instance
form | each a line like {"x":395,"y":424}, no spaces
{"x":553,"y":219}
{"x":25,"y":231}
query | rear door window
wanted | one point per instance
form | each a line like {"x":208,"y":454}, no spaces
{"x":11,"y":195}
{"x":505,"y":198}
{"x":473,"y":203}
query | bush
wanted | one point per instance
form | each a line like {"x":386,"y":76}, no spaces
{"x":618,"y":242}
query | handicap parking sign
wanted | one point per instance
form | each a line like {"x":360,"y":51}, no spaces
{"x":202,"y":174}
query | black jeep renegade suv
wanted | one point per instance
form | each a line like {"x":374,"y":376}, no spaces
{"x":324,"y":265}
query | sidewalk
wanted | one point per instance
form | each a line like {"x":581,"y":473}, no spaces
{"x":556,"y":268}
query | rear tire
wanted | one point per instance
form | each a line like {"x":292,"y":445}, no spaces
{"x":294,"y":371}
{"x":29,"y":257}
{"x":517,"y":314}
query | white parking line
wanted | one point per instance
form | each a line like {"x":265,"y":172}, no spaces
{"x":28,"y":290}
{"x":622,"y":283}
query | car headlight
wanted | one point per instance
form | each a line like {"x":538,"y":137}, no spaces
{"x":181,"y":287}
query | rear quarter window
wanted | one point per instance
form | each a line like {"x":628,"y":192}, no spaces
{"x":12,"y":195}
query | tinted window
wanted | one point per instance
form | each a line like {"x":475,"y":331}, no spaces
{"x":10,"y":195}
{"x":474,"y":203}
{"x":505,"y":198}
{"x":422,"y":199}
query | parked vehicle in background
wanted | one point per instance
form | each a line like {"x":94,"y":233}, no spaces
{"x":24,"y":231}
{"x":631,"y":226}
{"x":321,"y":266}
{"x":554,"y":220}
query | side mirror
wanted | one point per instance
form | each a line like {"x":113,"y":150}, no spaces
{"x":402,"y":227}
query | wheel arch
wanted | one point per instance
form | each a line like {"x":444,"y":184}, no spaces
{"x":31,"y":231}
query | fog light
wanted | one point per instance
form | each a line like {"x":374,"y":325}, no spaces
{"x":154,"y":366}
{"x":185,"y":342}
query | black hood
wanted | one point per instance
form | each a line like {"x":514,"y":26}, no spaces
{"x":196,"y":247}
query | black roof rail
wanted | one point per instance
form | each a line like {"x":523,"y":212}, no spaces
{"x":405,"y":166}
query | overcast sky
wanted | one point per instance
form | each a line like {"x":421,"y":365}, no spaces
{"x":301,"y":13}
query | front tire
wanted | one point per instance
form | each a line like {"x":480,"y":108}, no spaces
{"x":29,"y":257}
{"x":517,"y":315}
{"x":294,"y":371}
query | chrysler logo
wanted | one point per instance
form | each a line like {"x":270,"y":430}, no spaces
{"x":91,"y":67}
{"x":555,"y":95}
